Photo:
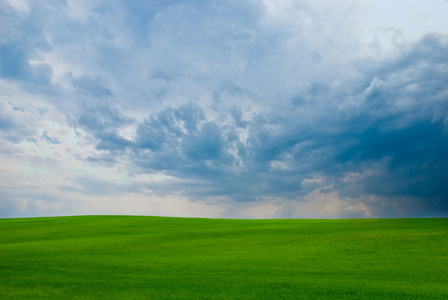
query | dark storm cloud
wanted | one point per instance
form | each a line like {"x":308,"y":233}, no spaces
{"x":400,"y":127}
{"x":391,"y":124}
{"x":182,"y":143}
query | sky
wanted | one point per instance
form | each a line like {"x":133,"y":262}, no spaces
{"x":224,"y":108}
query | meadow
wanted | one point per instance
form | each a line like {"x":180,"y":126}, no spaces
{"x":133,"y":257}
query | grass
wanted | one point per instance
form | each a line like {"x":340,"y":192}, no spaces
{"x":129,"y":257}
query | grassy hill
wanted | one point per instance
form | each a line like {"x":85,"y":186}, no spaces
{"x":128,"y":257}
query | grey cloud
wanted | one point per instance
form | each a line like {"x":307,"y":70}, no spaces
{"x":20,"y":43}
{"x":32,"y":201}
{"x":413,"y":163}
{"x":104,"y":122}
{"x":15,"y":124}
{"x":391,"y":126}
{"x":180,"y":139}
{"x":14,"y":63}
{"x":50,"y":139}
{"x":203,"y":152}
{"x":237,"y":104}
{"x":395,"y":127}
{"x":168,"y":127}
{"x":96,"y":186}
{"x":207,"y":144}
{"x":91,"y":87}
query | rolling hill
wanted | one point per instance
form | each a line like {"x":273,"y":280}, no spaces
{"x":136,"y":257}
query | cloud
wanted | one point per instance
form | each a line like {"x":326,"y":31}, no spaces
{"x":243,"y":109}
{"x":12,"y":123}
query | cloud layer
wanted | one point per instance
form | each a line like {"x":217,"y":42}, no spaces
{"x":246,"y":109}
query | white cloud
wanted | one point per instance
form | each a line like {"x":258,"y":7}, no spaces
{"x":389,"y":23}
{"x":21,"y":6}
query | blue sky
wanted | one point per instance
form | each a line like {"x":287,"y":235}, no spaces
{"x":235,"y":109}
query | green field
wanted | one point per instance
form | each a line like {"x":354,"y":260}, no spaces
{"x":128,"y":257}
